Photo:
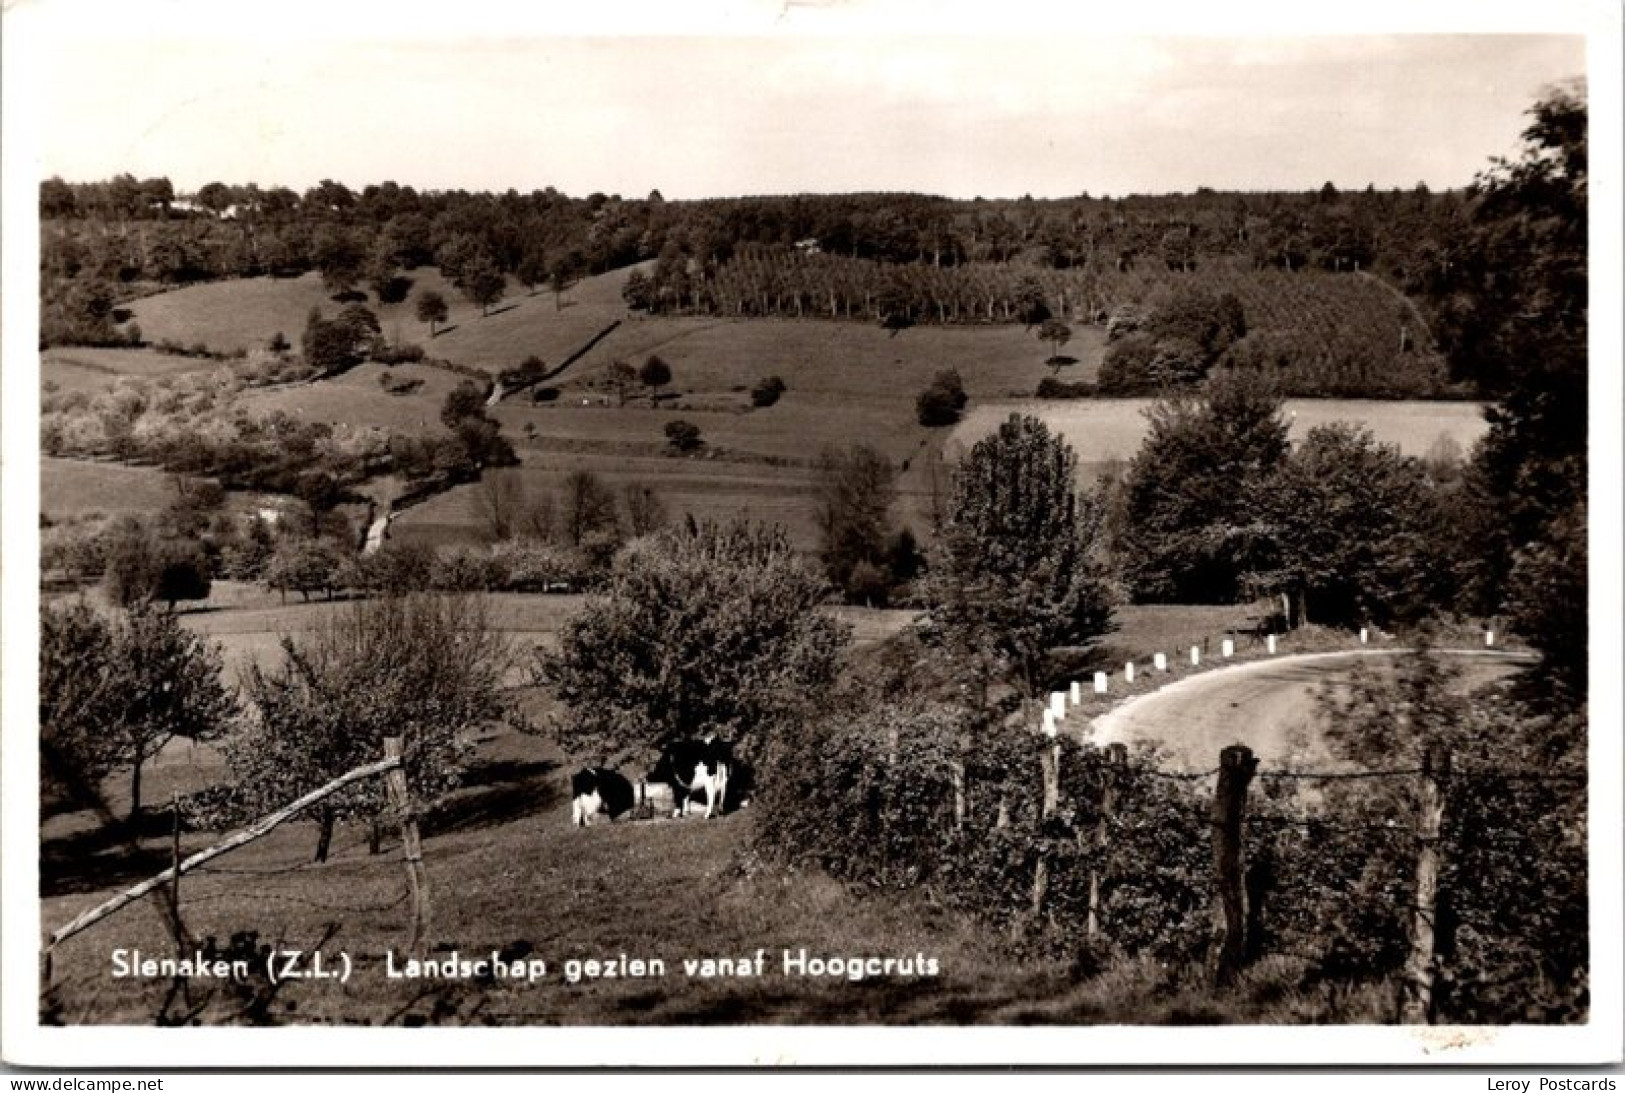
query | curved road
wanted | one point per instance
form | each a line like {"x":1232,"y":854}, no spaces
{"x":1268,"y":705}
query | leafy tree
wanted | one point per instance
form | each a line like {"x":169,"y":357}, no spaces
{"x":304,"y":566}
{"x":466,"y":400}
{"x":654,"y":375}
{"x":131,"y":568}
{"x":1515,"y":318}
{"x":426,"y":668}
{"x":112,"y":694}
{"x":942,"y":402}
{"x":483,"y":444}
{"x":684,"y":436}
{"x":340,"y":343}
{"x":1188,"y":535}
{"x":1014,"y":573}
{"x":431,"y":309}
{"x":532,"y":269}
{"x":1345,"y":524}
{"x":562,"y":272}
{"x":484,"y":284}
{"x":702,"y":629}
{"x":856,"y":489}
{"x":621,"y":377}
{"x":81,"y":703}
{"x":340,"y":257}
{"x":183,"y":573}
{"x":1056,"y":334}
{"x":638,"y":291}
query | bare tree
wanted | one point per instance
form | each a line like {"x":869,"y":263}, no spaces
{"x":499,"y":501}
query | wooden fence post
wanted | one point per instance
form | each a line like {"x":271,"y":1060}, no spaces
{"x":1417,"y":1007}
{"x":1236,"y":769}
{"x":1116,"y":763}
{"x":1049,"y":762}
{"x":411,"y":846}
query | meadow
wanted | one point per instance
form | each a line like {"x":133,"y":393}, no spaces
{"x":1104,"y":431}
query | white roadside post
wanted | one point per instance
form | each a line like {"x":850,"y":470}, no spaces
{"x":1161,"y":661}
{"x":1128,"y":671}
{"x":1271,"y":640}
{"x":1076,"y":692}
{"x":1057,"y":704}
{"x":1100,"y":683}
{"x":1228,"y":649}
{"x":1364,"y":635}
{"x":1196,"y":656}
{"x":1049,"y":722}
{"x":1489,"y":638}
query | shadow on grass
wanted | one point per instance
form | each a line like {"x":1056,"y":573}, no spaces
{"x":108,"y":854}
{"x":497,"y":792}
{"x":499,"y":310}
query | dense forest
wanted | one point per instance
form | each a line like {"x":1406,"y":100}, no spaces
{"x":1377,"y":273}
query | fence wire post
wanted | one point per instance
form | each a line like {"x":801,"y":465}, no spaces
{"x":1116,"y":764}
{"x":411,"y":846}
{"x":1417,"y":1007}
{"x":1236,"y":769}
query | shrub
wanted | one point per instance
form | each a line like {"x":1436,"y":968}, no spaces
{"x":941,"y":403}
{"x":683,"y":436}
{"x":767,"y":392}
{"x":402,"y":353}
{"x":1050,"y":387}
{"x":870,"y":797}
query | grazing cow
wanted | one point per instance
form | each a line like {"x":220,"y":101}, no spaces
{"x":598,"y":789}
{"x":693,"y":768}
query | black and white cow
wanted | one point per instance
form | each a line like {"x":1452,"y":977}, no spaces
{"x":695,"y":769}
{"x":598,"y":789}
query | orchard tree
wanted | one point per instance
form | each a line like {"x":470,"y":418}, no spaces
{"x":702,"y":629}
{"x":428,"y":669}
{"x":431,"y":309}
{"x":304,"y":566}
{"x":114,"y":692}
{"x":1015,"y":571}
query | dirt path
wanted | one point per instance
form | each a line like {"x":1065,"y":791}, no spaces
{"x":1268,"y":705}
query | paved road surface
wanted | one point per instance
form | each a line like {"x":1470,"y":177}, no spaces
{"x":1268,"y":705}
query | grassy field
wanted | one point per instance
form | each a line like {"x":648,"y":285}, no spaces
{"x":88,"y":369}
{"x":846,"y":384}
{"x":247,"y":623}
{"x":506,"y":872}
{"x":1112,"y":429}
{"x":73,"y":487}
{"x":246,"y":313}
{"x":355,"y":400}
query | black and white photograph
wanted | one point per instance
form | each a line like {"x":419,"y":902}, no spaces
{"x":811,"y":534}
